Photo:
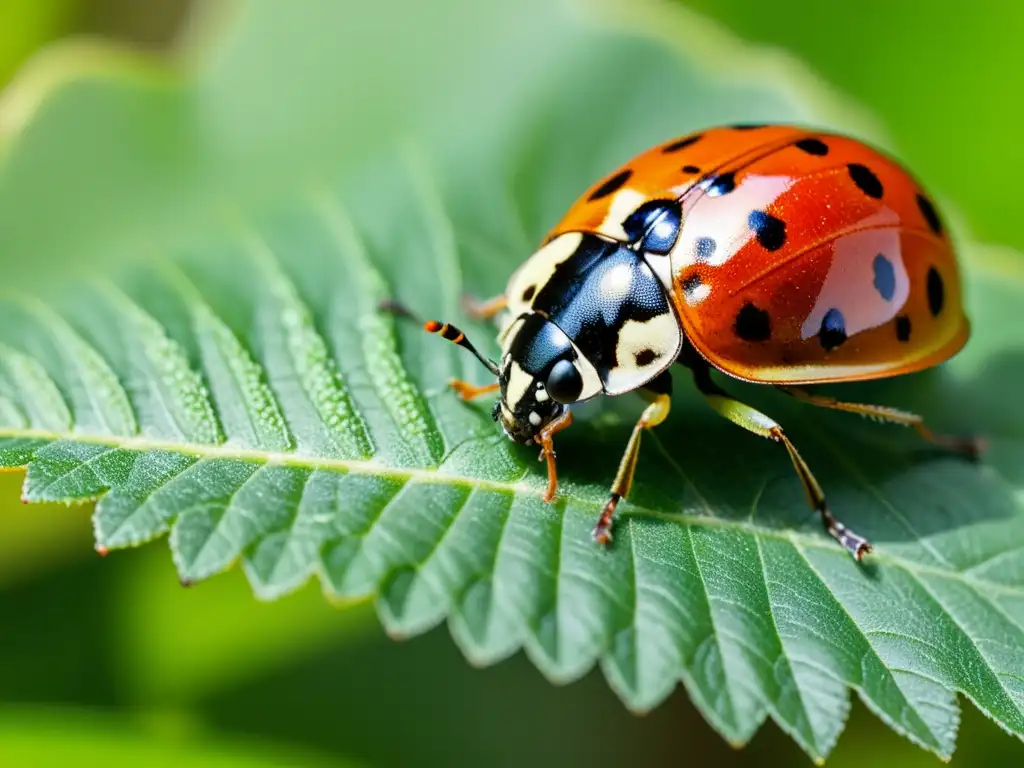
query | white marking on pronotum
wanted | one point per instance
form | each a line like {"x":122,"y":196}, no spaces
{"x":535,"y":418}
{"x":542,"y":394}
{"x":660,"y":335}
{"x":536,"y":271}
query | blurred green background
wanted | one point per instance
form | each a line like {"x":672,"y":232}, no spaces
{"x":110,"y":661}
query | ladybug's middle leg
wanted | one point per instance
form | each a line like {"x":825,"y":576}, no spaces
{"x":754,"y":421}
{"x":659,"y":393}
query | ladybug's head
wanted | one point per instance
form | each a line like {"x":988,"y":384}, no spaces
{"x":541,"y":374}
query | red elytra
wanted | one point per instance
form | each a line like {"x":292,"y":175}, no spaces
{"x":804,"y":257}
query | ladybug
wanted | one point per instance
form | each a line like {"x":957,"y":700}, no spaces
{"x":771,"y":253}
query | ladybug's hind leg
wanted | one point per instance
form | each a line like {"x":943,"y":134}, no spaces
{"x":969,"y":446}
{"x":754,"y":421}
{"x":659,"y":393}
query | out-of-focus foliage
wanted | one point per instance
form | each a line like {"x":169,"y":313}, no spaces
{"x":944,"y":77}
{"x":55,"y":737}
{"x":121,"y":633}
{"x":28,"y":25}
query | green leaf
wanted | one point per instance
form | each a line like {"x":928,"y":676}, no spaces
{"x":231,"y":381}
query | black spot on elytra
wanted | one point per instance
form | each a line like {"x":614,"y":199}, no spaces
{"x":885,"y":277}
{"x":690,"y":285}
{"x":770,"y":230}
{"x":722,"y":184}
{"x":645,"y":357}
{"x":704,"y":248}
{"x":936,"y":292}
{"x":528,"y":293}
{"x":691,"y":169}
{"x":865,"y":180}
{"x":929,"y":213}
{"x":675,"y":146}
{"x":813,"y":147}
{"x":611,"y":185}
{"x":903,"y":328}
{"x":748,"y":126}
{"x":752,"y":324}
{"x":833,"y":330}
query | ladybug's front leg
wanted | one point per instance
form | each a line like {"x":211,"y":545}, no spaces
{"x":547,"y":450}
{"x":468,"y":392}
{"x":659,"y":393}
{"x":753,"y":420}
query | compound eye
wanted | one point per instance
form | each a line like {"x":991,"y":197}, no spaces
{"x":564,"y":383}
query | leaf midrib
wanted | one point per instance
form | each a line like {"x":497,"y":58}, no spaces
{"x":436,"y":476}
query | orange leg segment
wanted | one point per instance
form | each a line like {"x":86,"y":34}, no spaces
{"x":483,"y":310}
{"x":468,"y":391}
{"x":547,"y":450}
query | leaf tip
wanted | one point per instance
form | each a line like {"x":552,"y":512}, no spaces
{"x":398,"y":634}
{"x":735,"y":743}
